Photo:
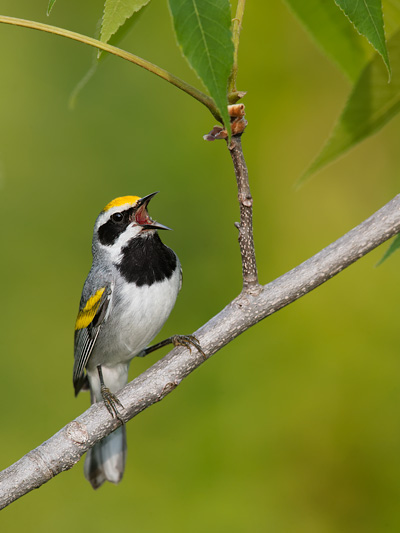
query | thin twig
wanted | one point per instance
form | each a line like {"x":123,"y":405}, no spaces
{"x":158,"y":71}
{"x":67,"y":446}
{"x":246,"y":242}
{"x":236,"y":29}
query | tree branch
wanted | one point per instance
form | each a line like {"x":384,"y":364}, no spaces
{"x":67,"y":446}
{"x":246,"y":242}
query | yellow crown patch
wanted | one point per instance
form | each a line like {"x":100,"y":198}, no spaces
{"x":121,"y":201}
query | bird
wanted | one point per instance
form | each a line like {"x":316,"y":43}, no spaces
{"x":128,"y":295}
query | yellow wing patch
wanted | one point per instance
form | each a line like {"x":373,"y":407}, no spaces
{"x":87,"y":314}
{"x":121,"y":201}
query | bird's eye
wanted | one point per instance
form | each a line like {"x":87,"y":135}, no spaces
{"x":117,"y":217}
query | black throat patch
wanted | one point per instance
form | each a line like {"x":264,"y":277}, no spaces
{"x":146,"y":260}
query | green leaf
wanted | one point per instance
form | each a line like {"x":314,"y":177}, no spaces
{"x":50,"y":6}
{"x":394,"y":245}
{"x":372,"y":103}
{"x":366,"y":16}
{"x":116,"y":12}
{"x":203,"y":31}
{"x":330,"y":29}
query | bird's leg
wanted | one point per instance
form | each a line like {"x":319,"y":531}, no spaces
{"x":110,"y":400}
{"x":177,"y":340}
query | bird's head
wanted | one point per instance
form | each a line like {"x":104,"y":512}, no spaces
{"x":123,"y":219}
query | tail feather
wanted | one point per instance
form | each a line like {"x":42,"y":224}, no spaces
{"x":106,"y":460}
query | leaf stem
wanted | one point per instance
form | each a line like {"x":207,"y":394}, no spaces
{"x":236,"y":29}
{"x":158,"y":71}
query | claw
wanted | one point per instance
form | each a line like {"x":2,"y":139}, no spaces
{"x":111,"y":402}
{"x":188,"y":341}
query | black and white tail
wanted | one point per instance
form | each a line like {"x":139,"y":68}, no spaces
{"x":106,"y":460}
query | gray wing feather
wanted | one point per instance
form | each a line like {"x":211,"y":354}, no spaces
{"x":85,"y":340}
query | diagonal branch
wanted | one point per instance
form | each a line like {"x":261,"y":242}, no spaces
{"x":67,"y":446}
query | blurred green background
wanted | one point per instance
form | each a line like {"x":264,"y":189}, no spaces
{"x":293,"y":427}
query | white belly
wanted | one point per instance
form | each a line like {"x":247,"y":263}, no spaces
{"x":136,"y":316}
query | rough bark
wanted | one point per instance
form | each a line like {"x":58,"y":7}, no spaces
{"x":246,"y":242}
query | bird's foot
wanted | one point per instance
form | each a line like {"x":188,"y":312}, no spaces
{"x":111,"y":402}
{"x":188,"y":341}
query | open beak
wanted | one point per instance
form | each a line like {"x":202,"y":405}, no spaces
{"x":142,"y":217}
